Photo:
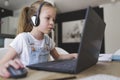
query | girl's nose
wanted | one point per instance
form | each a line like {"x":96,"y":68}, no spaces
{"x":52,"y":23}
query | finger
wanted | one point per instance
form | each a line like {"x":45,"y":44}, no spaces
{"x":14,"y":64}
{"x":19,"y":63}
{"x":6,"y":65}
{"x":76,"y":55}
{"x":73,"y":55}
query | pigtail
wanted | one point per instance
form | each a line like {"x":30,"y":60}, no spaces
{"x":24,"y":24}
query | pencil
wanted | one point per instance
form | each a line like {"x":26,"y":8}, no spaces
{"x":66,"y":78}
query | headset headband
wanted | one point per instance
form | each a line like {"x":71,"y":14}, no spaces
{"x":39,"y":9}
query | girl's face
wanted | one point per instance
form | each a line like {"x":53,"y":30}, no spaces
{"x":47,"y":18}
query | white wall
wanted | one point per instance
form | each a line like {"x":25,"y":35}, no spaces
{"x":9,"y":25}
{"x":16,"y":13}
{"x":112,"y":32}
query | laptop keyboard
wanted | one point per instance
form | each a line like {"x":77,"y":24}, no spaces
{"x":66,"y":64}
{"x":57,"y":66}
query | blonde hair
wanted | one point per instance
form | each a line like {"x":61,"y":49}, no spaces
{"x":25,"y":24}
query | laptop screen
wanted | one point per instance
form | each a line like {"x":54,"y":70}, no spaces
{"x":91,"y":41}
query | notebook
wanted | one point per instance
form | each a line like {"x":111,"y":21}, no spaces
{"x":88,"y":51}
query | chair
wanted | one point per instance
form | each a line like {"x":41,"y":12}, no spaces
{"x":7,"y":41}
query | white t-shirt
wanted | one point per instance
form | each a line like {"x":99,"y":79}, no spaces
{"x":20,"y":44}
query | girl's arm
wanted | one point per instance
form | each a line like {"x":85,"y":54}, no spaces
{"x":54,"y":54}
{"x":11,"y":53}
{"x":58,"y":56}
{"x":8,"y":59}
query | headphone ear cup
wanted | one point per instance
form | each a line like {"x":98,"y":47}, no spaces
{"x":33,"y":18}
{"x":37,"y":21}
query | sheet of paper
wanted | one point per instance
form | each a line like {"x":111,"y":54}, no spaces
{"x":105,"y":57}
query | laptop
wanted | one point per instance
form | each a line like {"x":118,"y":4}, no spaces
{"x":88,"y":51}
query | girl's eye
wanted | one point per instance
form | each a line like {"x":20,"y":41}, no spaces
{"x":53,"y":20}
{"x":47,"y":18}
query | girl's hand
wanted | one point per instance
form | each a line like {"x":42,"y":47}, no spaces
{"x":74,"y":55}
{"x":3,"y":68}
{"x":68,"y":56}
{"x":3,"y":71}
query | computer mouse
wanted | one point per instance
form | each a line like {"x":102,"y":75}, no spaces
{"x":17,"y":73}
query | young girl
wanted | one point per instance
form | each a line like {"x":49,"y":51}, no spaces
{"x":32,"y":44}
